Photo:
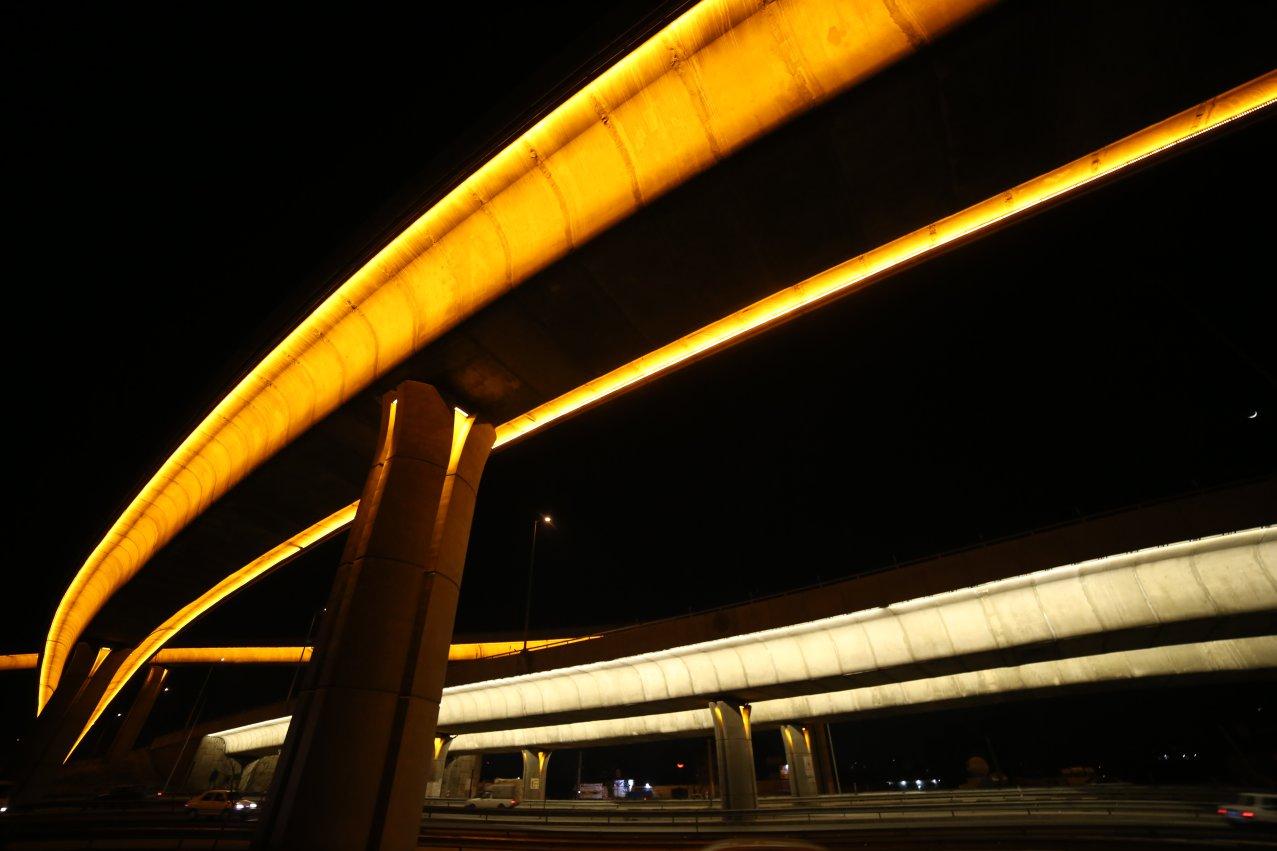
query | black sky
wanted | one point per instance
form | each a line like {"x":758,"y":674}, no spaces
{"x":185,"y":186}
{"x":182,"y":187}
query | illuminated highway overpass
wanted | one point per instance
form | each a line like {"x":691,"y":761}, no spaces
{"x":1055,"y":629}
{"x":587,"y":256}
{"x":288,"y":448}
{"x":795,"y":716}
{"x":1226,"y":584}
{"x":1122,"y":667}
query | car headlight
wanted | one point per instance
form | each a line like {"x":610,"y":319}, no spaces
{"x":252,"y":805}
{"x":239,"y":806}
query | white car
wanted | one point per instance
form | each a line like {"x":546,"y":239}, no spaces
{"x":220,"y":803}
{"x":1251,"y":808}
{"x":489,"y":801}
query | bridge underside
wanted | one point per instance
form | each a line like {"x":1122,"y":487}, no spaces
{"x":919,"y":141}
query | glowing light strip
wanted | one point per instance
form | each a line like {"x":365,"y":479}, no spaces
{"x":723,"y":73}
{"x":486,"y":649}
{"x":913,"y":247}
{"x":845,"y":277}
{"x":463,"y":652}
{"x":232,"y":655}
{"x":290,"y":549}
{"x":334,"y":523}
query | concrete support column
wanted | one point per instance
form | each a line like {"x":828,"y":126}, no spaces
{"x":210,"y":766}
{"x":126,"y":736}
{"x":738,"y":786}
{"x":435,"y":785}
{"x":461,"y":776}
{"x":357,"y":757}
{"x":84,"y":681}
{"x":802,"y":769}
{"x":822,"y":754}
{"x":74,"y":675}
{"x":535,"y":765}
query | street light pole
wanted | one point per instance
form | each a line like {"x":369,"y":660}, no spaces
{"x":532,"y":560}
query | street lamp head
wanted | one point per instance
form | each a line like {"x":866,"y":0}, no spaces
{"x":547,"y":519}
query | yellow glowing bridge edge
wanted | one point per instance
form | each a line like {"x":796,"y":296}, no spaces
{"x":720,"y":75}
{"x":911,"y":247}
{"x":457,"y":652}
{"x":840,"y":279}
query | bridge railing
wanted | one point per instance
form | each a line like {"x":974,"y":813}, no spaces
{"x":1195,"y":805}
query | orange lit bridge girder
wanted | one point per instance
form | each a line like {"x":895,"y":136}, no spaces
{"x":295,"y":655}
{"x":972,"y":222}
{"x":723,"y":73}
{"x":458,"y":652}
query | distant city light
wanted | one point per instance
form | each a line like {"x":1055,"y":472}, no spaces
{"x":678,"y":765}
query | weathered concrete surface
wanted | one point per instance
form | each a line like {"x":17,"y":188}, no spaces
{"x":734,"y":750}
{"x":126,"y":736}
{"x":802,"y":765}
{"x":461,"y":776}
{"x":356,"y":761}
{"x":532,"y":777}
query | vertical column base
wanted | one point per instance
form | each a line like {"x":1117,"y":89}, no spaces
{"x":126,"y":738}
{"x":434,"y":786}
{"x":461,"y":776}
{"x":823,"y":755}
{"x":356,"y":763}
{"x":735,"y":749}
{"x":58,"y":728}
{"x":535,"y":765}
{"x":802,"y":769}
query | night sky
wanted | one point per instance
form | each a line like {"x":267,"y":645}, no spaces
{"x":183,"y":189}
